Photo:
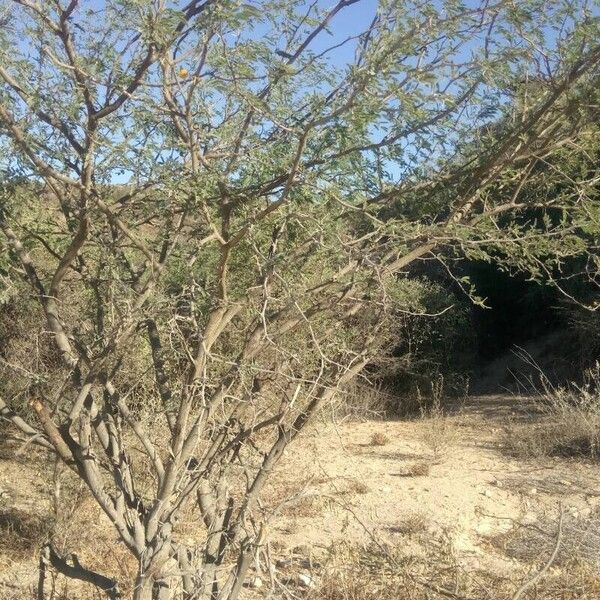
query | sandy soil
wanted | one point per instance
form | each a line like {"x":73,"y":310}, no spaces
{"x":439,"y":477}
{"x":473,"y":490}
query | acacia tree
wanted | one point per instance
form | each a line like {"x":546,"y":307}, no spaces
{"x":229,"y":197}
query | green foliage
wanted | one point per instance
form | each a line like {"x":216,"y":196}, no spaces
{"x":225,"y":211}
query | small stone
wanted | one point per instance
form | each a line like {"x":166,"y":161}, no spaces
{"x":487,"y":493}
{"x":306,"y":581}
{"x":533,"y":491}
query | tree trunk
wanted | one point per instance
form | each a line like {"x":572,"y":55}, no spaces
{"x":143,"y":588}
{"x":148,"y":587}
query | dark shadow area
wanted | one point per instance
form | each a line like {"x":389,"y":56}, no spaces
{"x":519,"y":310}
{"x":21,"y":533}
{"x":498,"y":407}
{"x":366,"y":450}
{"x":527,"y":334}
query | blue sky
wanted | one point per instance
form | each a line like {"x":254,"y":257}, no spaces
{"x":350,"y":21}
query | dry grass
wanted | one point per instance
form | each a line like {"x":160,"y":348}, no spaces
{"x":358,"y":573}
{"x":579,"y":543}
{"x":306,"y":506}
{"x":411,"y":525}
{"x":356,"y":486}
{"x":381,"y":572}
{"x":566,"y":438}
{"x":22,"y":533}
{"x":296,"y":499}
{"x":570,"y":424}
{"x":379,"y":439}
{"x":359,"y":402}
{"x":79,"y":527}
{"x":418,"y":469}
{"x":437,"y":432}
{"x":384,"y":572}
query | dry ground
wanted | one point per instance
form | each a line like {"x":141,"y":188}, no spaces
{"x":403,"y":493}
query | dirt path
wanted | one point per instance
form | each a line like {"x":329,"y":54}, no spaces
{"x":407,"y":483}
{"x":444,"y":476}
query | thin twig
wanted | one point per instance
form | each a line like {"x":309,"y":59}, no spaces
{"x":533,"y":580}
